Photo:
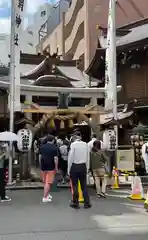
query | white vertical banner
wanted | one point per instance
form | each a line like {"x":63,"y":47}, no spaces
{"x":18,"y":6}
{"x":110,"y":63}
{"x":19,"y":16}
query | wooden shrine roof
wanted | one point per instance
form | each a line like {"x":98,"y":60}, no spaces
{"x":55,"y":72}
{"x":35,"y":59}
{"x":136,"y":37}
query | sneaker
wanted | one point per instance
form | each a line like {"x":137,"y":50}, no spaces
{"x":49,"y":196}
{"x":87,"y":206}
{"x":103,"y":195}
{"x":6,"y":199}
{"x":98,"y":195}
{"x":46,"y":200}
{"x":74,"y":205}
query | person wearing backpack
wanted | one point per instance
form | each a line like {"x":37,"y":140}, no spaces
{"x":98,"y":161}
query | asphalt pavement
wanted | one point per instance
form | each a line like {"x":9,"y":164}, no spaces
{"x":26,"y":218}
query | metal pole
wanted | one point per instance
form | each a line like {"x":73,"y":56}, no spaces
{"x":114,"y":68}
{"x":12,"y":80}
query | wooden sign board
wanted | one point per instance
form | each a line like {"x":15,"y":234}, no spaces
{"x":126,"y":160}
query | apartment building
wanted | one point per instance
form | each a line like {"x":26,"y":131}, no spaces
{"x":76,"y":36}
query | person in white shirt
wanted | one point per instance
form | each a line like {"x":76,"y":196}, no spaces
{"x":91,"y":142}
{"x":78,"y":166}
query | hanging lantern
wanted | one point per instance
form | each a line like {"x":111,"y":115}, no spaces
{"x":62,"y":125}
{"x":70,"y":123}
{"x":51,"y":123}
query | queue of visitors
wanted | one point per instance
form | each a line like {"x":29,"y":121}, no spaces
{"x":74,"y":159}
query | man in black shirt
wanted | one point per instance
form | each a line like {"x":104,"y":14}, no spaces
{"x":49,"y":165}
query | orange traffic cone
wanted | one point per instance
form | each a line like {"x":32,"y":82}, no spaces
{"x":137,"y":189}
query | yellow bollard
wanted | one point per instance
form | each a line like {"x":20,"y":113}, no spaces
{"x":81,"y":199}
{"x":116,"y":182}
{"x":115,"y":178}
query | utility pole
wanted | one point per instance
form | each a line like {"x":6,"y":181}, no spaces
{"x":12,"y":82}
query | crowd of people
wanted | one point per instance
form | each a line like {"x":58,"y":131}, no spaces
{"x":75,"y":158}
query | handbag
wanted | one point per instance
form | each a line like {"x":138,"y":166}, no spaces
{"x":101,"y":172}
{"x":90,"y":179}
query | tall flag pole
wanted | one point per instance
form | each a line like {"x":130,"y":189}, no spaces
{"x":110,"y":70}
{"x":17,"y":12}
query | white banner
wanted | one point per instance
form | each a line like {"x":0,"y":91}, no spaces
{"x":19,"y":13}
{"x":18,"y":6}
{"x":109,"y":63}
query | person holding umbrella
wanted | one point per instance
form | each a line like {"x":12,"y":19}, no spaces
{"x":3,"y":157}
{"x":5,"y":138}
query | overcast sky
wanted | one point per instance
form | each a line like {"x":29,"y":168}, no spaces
{"x":5,"y":11}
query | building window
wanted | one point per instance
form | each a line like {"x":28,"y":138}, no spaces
{"x":43,"y":13}
{"x":30,"y":32}
{"x":30,"y":44}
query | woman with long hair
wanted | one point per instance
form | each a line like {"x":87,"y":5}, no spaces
{"x":98,"y":161}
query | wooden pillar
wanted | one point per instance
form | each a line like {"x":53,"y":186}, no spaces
{"x":26,"y":157}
